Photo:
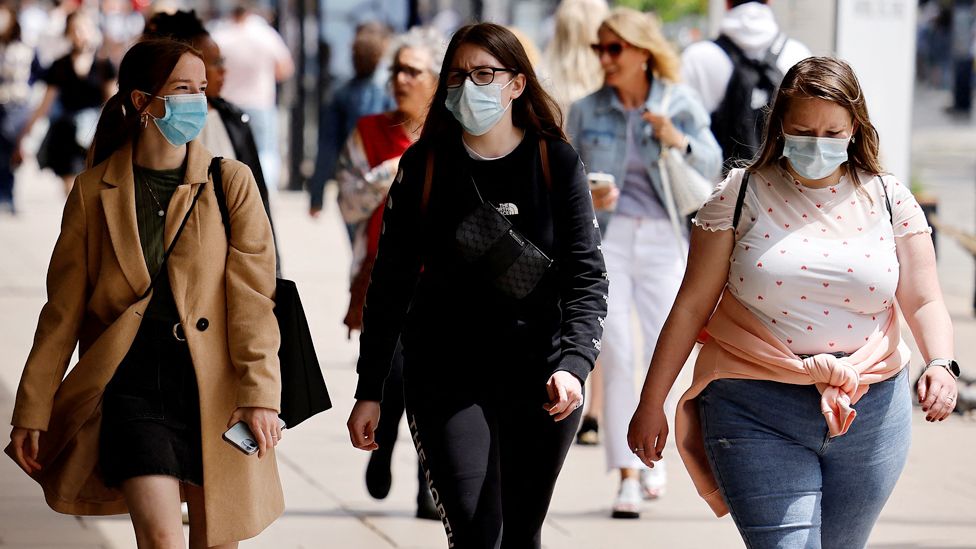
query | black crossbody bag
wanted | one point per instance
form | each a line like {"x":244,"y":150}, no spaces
{"x":491,"y":244}
{"x":303,"y":390}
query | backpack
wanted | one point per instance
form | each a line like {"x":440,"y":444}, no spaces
{"x":738,"y":122}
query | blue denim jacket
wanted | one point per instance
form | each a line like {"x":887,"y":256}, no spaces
{"x":597,"y":126}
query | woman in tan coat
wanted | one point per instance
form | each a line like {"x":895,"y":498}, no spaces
{"x":136,"y":425}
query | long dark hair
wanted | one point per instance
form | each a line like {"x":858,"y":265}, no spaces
{"x":832,"y":80}
{"x":533,"y":110}
{"x":145,"y":67}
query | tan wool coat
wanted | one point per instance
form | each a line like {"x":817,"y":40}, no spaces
{"x":224,"y":295}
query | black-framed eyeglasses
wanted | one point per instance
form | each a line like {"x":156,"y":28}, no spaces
{"x":481,"y":76}
{"x":613,"y":49}
{"x":411,"y":72}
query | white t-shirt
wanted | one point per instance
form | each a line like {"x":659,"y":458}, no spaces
{"x":214,"y":136}
{"x":817,"y":266}
{"x":751,"y":26}
{"x":251,"y":51}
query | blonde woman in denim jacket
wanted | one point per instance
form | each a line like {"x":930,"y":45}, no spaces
{"x":620,"y":130}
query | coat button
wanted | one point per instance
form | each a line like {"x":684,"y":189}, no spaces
{"x":203,"y":324}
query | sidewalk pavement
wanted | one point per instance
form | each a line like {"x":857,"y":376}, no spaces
{"x":933,"y":507}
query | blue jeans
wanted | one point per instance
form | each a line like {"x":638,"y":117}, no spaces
{"x":786,"y":482}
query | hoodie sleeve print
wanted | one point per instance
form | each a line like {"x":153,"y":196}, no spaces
{"x":582,"y":277}
{"x":394,"y":278}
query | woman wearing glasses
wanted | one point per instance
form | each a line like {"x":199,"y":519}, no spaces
{"x":496,"y":341}
{"x":620,"y":131}
{"x":365,"y":172}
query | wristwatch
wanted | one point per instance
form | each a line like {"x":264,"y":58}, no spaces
{"x":946,"y":363}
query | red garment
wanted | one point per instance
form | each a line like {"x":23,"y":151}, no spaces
{"x":383,"y":138}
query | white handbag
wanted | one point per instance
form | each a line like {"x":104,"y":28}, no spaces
{"x":687,"y":188}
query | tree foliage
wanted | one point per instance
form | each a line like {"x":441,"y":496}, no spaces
{"x":668,"y":10}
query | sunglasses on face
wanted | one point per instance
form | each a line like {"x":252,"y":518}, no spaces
{"x":411,"y":72}
{"x":612,"y":49}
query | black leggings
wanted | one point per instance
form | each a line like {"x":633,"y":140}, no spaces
{"x":490,"y":460}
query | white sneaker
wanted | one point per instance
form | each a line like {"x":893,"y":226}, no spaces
{"x":654,"y":482}
{"x":628,"y":502}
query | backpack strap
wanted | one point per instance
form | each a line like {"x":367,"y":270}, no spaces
{"x":740,"y":199}
{"x":217,"y":175}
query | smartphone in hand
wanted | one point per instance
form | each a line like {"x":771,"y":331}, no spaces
{"x":240,"y":436}
{"x":600,"y":180}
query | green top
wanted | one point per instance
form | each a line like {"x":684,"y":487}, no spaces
{"x":154,"y":189}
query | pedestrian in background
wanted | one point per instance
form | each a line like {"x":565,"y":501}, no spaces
{"x":80,"y":82}
{"x":574,"y":72}
{"x":737,"y":74}
{"x":360,"y":96}
{"x":621,"y":131}
{"x":495,"y":353}
{"x":366,"y":168}
{"x":227,"y":133}
{"x":15,"y":72}
{"x":805,"y":253}
{"x":573,"y":69}
{"x":963,"y":54}
{"x":256,"y":59}
{"x":173,"y":348}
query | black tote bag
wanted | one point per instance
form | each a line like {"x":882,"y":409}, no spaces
{"x":303,"y":390}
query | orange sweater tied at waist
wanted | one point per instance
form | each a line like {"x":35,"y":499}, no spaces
{"x":742,"y":347}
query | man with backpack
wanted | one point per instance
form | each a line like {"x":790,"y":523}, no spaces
{"x":737,"y":74}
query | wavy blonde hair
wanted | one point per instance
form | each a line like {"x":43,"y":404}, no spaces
{"x":574,"y":70}
{"x":643,"y":30}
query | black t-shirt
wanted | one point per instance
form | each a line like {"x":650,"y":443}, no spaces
{"x":77,"y":93}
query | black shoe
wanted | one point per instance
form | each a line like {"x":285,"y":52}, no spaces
{"x":378,"y":475}
{"x":589,"y":433}
{"x":425,"y":506}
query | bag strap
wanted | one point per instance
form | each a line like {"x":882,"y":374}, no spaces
{"x":429,"y":175}
{"x":544,"y":157}
{"x":172,"y":245}
{"x":740,"y":199}
{"x":217,"y":175}
{"x":891,"y":214}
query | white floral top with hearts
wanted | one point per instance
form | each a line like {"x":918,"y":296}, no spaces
{"x":817,"y":266}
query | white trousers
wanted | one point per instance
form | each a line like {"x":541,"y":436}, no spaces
{"x":645,"y":264}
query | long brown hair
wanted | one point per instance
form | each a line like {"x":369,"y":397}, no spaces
{"x":533,"y":110}
{"x":832,"y":80}
{"x":145,"y":67}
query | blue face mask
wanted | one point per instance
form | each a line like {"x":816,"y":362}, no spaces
{"x":186,"y":114}
{"x":477,"y":108}
{"x":815,"y":157}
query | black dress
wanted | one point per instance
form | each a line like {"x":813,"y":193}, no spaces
{"x":151,"y":406}
{"x":65,"y":145}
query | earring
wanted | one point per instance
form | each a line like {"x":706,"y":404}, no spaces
{"x":853,"y":139}
{"x":644,"y":66}
{"x":144,"y":120}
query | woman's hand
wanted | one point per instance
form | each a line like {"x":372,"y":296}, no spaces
{"x":263,"y":423}
{"x":937,"y":393}
{"x":363,"y":420}
{"x":664,"y":130}
{"x":565,"y":395}
{"x":26,"y":446}
{"x":648,"y":433}
{"x":605,"y":197}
